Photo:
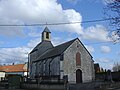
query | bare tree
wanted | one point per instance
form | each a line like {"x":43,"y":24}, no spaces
{"x":116,"y":67}
{"x":112,"y":11}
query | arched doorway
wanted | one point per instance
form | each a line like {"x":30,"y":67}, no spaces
{"x":78,"y":76}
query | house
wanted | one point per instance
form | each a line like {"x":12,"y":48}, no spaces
{"x":2,"y":75}
{"x":97,"y":67}
{"x":70,"y":60}
{"x":18,"y":69}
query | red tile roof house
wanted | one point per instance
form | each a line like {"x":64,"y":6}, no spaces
{"x":18,"y":69}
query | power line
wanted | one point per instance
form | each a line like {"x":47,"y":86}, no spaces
{"x":60,"y":23}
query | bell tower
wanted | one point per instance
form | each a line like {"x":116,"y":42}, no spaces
{"x":46,"y":34}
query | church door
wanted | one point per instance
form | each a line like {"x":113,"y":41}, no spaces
{"x":78,"y":76}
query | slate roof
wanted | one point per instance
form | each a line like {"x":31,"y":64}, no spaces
{"x":13,"y":68}
{"x":57,"y":50}
{"x":46,"y":30}
{"x":44,"y":45}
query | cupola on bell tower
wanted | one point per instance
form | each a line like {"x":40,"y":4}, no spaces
{"x":46,"y":34}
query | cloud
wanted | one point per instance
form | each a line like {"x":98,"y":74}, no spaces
{"x":14,"y":55}
{"x":57,"y":40}
{"x":34,"y":33}
{"x":105,"y":49}
{"x":17,"y":54}
{"x":42,"y":11}
{"x":33,"y":42}
{"x":10,"y":30}
{"x":108,"y":66}
{"x":96,"y":33}
{"x":73,"y":1}
{"x":103,"y":60}
{"x":90,"y":48}
{"x":20,"y":54}
{"x":105,"y":63}
{"x":36,"y":11}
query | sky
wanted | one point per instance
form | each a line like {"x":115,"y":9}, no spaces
{"x":17,"y":41}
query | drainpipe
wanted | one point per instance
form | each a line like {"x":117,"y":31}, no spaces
{"x":28,"y":66}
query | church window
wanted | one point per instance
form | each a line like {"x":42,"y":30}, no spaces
{"x":44,"y":68}
{"x":78,"y":59}
{"x":47,"y":35}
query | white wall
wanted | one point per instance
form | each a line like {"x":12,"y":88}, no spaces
{"x":2,"y":75}
{"x":25,"y":73}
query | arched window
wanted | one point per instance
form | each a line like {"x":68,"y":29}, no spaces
{"x":78,"y":59}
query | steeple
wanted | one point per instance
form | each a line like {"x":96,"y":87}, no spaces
{"x":46,"y":34}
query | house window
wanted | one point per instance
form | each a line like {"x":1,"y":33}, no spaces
{"x":78,"y":59}
{"x":47,"y":35}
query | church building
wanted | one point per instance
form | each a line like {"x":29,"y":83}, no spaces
{"x":69,"y":60}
